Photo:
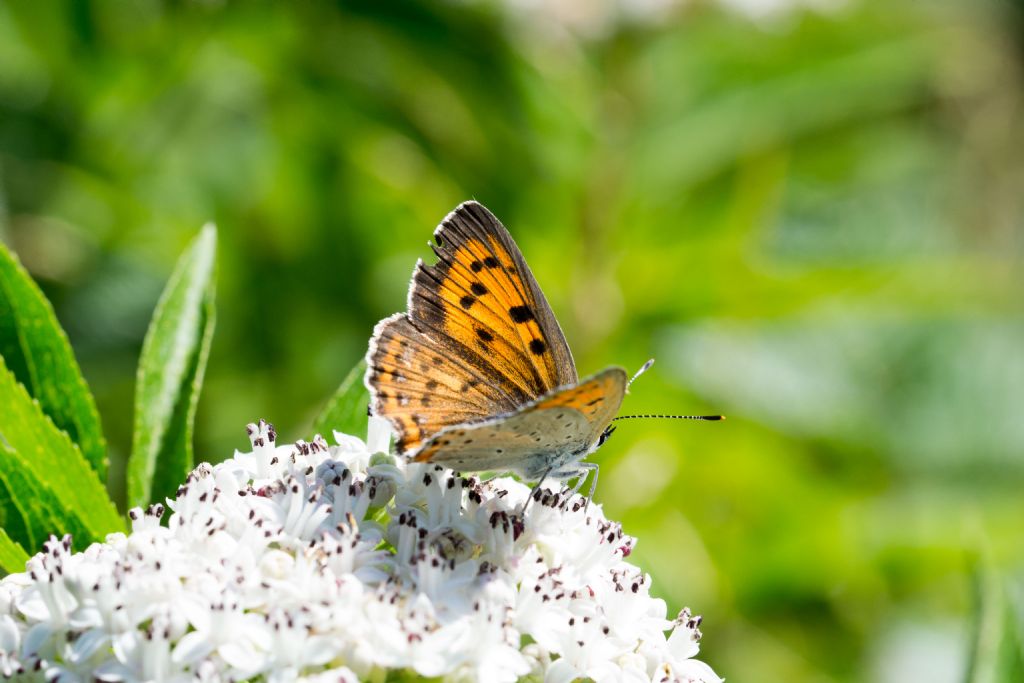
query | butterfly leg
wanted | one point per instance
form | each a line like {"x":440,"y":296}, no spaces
{"x":593,"y":485}
{"x":580,"y":471}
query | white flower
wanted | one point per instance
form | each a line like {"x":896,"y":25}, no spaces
{"x":145,"y":654}
{"x":224,"y":629}
{"x":340,"y":563}
{"x":10,"y":644}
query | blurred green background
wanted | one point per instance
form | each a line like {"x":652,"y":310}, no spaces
{"x":809,"y":211}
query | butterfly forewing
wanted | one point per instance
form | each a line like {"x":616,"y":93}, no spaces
{"x":479,"y":338}
{"x":547,"y":434}
{"x":483,"y":276}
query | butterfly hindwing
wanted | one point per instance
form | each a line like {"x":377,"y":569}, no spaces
{"x":479,"y":338}
{"x":421,"y":385}
{"x":559,"y":428}
{"x":526,"y":442}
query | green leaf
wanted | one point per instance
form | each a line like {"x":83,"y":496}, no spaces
{"x":346,"y":411}
{"x":43,"y":511}
{"x":170,"y":375}
{"x":996,"y":650}
{"x":38,"y":457}
{"x":37,"y":351}
{"x":12,"y":519}
{"x":12,"y":556}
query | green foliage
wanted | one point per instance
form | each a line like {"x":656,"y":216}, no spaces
{"x":812,"y":220}
{"x":996,"y":646}
{"x":34,"y":509}
{"x":346,"y":410}
{"x":46,"y":476}
{"x":36,"y":350}
{"x":170,"y":375}
{"x":47,"y":485}
{"x":12,"y":556}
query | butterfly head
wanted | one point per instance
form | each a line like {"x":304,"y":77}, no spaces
{"x":604,"y":436}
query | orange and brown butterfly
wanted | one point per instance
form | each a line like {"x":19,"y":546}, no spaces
{"x":476,"y":375}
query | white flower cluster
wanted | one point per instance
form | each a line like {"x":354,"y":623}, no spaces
{"x":339,"y":563}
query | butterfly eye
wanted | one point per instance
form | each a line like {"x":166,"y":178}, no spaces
{"x":604,"y":436}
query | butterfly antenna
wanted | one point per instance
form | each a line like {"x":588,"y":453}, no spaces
{"x":645,"y":368}
{"x":650,"y":416}
{"x":642,"y":370}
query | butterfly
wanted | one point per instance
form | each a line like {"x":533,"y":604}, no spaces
{"x":476,"y":375}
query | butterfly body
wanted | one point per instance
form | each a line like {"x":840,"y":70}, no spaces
{"x":477,"y":375}
{"x":552,"y":433}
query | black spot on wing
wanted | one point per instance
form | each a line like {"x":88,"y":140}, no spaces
{"x":537,"y":346}
{"x":521,"y":314}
